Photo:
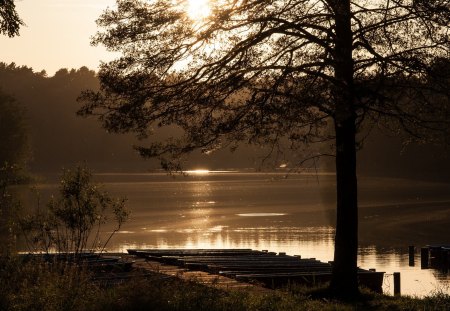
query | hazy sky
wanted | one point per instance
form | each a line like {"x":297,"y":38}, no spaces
{"x":57,"y":35}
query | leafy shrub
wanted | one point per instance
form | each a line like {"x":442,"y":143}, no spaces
{"x":72,"y":222}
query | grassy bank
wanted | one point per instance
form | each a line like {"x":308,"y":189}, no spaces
{"x":38,"y":286}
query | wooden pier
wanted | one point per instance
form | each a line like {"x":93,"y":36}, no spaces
{"x":265,"y":268}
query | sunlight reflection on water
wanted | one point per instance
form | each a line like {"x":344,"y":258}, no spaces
{"x":261,"y":214}
{"x":293,"y":215}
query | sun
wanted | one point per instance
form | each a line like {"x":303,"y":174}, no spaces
{"x":198,"y":9}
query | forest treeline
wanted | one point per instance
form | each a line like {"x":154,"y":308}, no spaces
{"x":58,"y":138}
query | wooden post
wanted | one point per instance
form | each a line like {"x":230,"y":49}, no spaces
{"x":411,"y":251}
{"x":445,"y":262}
{"x":424,"y":257}
{"x":448,"y":259}
{"x":396,"y":283}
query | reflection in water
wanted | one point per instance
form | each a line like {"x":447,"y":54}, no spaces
{"x":200,"y":210}
{"x":261,"y":214}
{"x":198,"y":172}
{"x":293,"y":215}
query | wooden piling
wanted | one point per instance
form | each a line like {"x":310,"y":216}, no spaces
{"x":411,"y":252}
{"x":396,"y":283}
{"x":424,"y":257}
{"x":445,"y":259}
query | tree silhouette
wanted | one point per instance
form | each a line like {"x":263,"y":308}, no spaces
{"x":276,"y":71}
{"x":13,"y":132}
{"x":10,"y":21}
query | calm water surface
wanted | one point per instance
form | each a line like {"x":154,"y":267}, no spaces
{"x":293,"y":215}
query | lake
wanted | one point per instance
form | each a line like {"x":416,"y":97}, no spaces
{"x":285,"y":213}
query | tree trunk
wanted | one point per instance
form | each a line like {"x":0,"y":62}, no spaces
{"x":344,"y":281}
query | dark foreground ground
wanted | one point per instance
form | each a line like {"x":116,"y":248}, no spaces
{"x":38,"y":286}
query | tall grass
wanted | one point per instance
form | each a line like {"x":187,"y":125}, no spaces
{"x":35,"y":285}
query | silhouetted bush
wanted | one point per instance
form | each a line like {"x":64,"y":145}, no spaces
{"x":71,"y":223}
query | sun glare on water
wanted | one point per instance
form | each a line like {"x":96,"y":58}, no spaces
{"x":198,"y":172}
{"x":198,"y":9}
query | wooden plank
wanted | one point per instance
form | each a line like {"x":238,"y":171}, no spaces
{"x":233,"y":273}
{"x":262,"y":265}
{"x":190,"y":252}
{"x":261,"y":262}
{"x":182,"y":260}
{"x":217,"y":269}
{"x":243,"y":258}
{"x":246,"y":259}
